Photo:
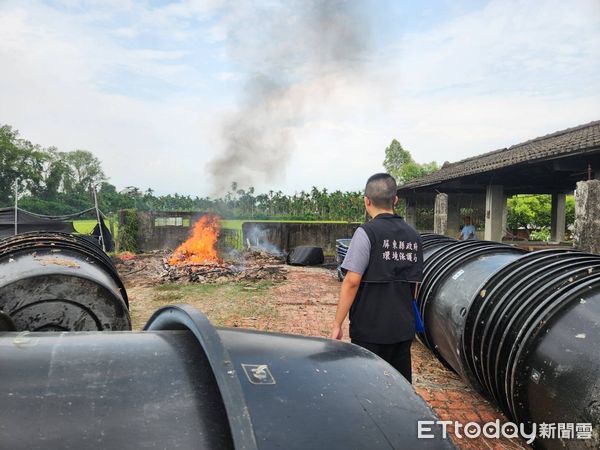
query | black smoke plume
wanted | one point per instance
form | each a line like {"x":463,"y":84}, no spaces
{"x":292,"y":54}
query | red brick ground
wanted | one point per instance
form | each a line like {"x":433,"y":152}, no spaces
{"x":306,"y":305}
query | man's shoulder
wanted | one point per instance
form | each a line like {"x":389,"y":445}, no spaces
{"x":359,"y":233}
{"x":409,"y":229}
{"x":360,"y":239}
{"x":398,"y":221}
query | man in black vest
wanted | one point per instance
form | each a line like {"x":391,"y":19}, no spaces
{"x":384,"y":265}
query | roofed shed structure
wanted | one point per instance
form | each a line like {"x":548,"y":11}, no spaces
{"x":550,"y":164}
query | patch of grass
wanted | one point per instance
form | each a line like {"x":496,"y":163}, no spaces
{"x":166,"y":298}
{"x":232,"y":224}
{"x":85,"y":226}
{"x":222,"y":303}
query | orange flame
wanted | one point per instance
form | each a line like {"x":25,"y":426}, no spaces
{"x":126,"y":256}
{"x":200,"y":248}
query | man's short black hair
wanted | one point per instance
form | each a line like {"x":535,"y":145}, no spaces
{"x":381,"y":189}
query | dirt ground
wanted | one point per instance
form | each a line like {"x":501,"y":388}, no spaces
{"x":305,"y":304}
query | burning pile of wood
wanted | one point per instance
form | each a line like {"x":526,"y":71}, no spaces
{"x":196,"y":260}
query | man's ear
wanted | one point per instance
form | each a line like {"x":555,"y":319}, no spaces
{"x":396,"y":199}
{"x":367,"y":201}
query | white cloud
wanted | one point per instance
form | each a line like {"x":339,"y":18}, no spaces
{"x":53,"y":95}
{"x":495,"y":77}
{"x":126,"y":32}
{"x":514,"y":46}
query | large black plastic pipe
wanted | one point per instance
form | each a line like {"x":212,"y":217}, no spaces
{"x":451,"y":276}
{"x":522,"y":328}
{"x":61,"y":282}
{"x":184,"y":384}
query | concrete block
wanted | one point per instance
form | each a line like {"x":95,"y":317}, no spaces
{"x":587,"y":216}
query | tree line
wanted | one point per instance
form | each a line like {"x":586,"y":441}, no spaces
{"x":54,"y":182}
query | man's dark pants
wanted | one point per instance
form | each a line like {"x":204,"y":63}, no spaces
{"x":397,"y":355}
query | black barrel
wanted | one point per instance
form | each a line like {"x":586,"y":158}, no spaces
{"x":524,"y":329}
{"x":434,"y":240}
{"x":341,"y":249}
{"x":452,"y":273}
{"x":61,"y":282}
{"x":184,"y":384}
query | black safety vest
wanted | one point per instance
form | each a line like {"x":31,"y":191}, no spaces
{"x":382,"y":310}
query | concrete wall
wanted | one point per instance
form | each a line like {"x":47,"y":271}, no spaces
{"x":285,"y":236}
{"x":587,"y":216}
{"x":279,"y":236}
{"x":152,"y":237}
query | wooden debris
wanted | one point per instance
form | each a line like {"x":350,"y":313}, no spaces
{"x":250,"y":266}
{"x":257,"y":265}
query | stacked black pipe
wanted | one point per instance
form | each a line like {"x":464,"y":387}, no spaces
{"x":59,"y":282}
{"x":522,"y":328}
{"x":184,"y":384}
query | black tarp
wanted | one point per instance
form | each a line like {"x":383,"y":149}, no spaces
{"x":306,"y":255}
{"x":109,"y":243}
{"x":27,"y":221}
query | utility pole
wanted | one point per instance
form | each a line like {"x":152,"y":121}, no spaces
{"x":99,"y":219}
{"x":16,"y":206}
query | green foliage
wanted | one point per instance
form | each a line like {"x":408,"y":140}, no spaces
{"x":570,"y":210}
{"x":534,"y":212}
{"x":55,"y":183}
{"x":400,"y":164}
{"x":543,"y":234}
{"x":529,"y":211}
{"x":396,"y":157}
{"x":84,"y":170}
{"x":20,"y":161}
{"x":49,"y":181}
{"x":128,"y":231}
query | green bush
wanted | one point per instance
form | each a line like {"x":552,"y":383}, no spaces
{"x":540,"y":235}
{"x":128,"y":231}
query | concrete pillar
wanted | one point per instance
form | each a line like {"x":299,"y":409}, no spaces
{"x":495,"y":204}
{"x":587,"y":216}
{"x":411,"y":213}
{"x":454,"y":219}
{"x":558,"y":218}
{"x":505,"y":217}
{"x":440,"y":214}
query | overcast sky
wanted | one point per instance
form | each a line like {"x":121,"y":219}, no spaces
{"x":187,"y":96}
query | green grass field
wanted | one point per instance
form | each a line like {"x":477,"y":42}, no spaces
{"x":237,"y":224}
{"x":86,"y":226}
